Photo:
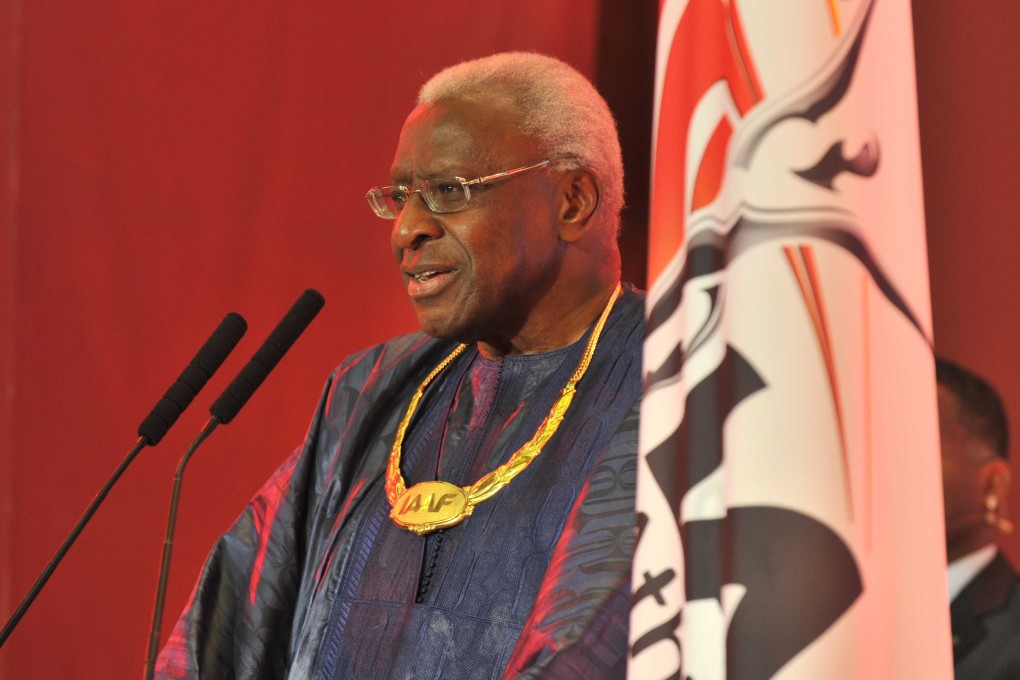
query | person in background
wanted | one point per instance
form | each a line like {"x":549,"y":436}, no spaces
{"x":983,"y":587}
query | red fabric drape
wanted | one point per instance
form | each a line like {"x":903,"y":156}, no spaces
{"x":161,"y":165}
{"x":171,"y":162}
{"x":967,"y":63}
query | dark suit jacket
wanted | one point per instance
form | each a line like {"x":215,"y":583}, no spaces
{"x":986,"y":625}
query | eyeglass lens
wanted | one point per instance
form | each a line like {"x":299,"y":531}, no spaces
{"x":441,"y":196}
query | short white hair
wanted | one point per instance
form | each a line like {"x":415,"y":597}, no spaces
{"x":557,"y":106}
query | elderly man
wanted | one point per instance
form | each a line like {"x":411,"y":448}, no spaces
{"x":463,"y":504}
{"x":983,"y":588}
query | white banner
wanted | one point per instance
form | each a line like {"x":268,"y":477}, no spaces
{"x":789,"y":490}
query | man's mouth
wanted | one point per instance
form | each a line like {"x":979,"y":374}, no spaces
{"x":428,"y":282}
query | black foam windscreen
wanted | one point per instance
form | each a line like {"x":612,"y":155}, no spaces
{"x":268,"y":355}
{"x":193,"y":378}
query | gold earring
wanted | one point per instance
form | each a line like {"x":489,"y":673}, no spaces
{"x":992,"y":515}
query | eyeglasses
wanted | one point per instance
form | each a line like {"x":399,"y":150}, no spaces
{"x":440,"y":195}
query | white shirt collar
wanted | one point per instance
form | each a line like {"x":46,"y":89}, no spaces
{"x":963,"y":570}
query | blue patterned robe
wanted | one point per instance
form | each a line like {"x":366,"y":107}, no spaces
{"x":315,"y":581}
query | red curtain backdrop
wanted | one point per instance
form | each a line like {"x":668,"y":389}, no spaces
{"x":968,"y":59}
{"x":161,"y":165}
{"x":166,"y":163}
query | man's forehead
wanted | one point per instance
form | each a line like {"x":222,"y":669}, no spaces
{"x":437,"y":125}
{"x":455,"y":132}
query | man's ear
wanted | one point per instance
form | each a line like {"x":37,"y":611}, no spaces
{"x":579,"y":192}
{"x":996,"y":481}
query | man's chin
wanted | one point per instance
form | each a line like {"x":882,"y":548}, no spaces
{"x":441,"y":327}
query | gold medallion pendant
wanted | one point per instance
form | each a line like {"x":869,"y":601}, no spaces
{"x":428,"y":506}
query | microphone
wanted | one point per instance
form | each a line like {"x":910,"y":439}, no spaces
{"x":223,"y":410}
{"x":268,"y":355}
{"x":193,"y":378}
{"x":150,"y":432}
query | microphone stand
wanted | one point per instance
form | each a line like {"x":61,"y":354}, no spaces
{"x":223,"y":410}
{"x":164,"y":567}
{"x":69,"y":541}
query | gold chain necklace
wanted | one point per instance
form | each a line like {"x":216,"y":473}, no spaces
{"x":432,"y":505}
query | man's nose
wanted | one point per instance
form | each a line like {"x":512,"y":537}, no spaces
{"x":414,"y":225}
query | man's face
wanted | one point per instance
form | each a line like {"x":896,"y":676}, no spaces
{"x":486,"y":268}
{"x":964,"y":479}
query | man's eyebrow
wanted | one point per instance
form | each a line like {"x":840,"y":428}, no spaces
{"x":404,"y":177}
{"x":398,"y":176}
